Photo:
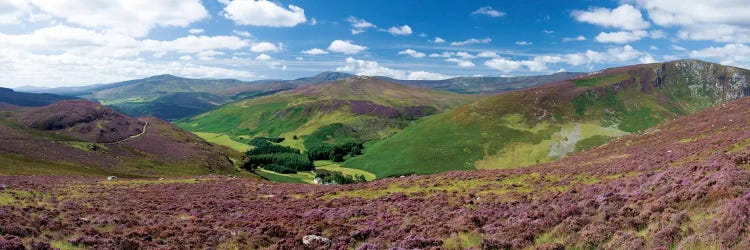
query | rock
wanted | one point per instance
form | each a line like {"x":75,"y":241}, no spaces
{"x":316,"y":242}
{"x":111,"y":178}
{"x":318,"y":180}
{"x":161,"y":179}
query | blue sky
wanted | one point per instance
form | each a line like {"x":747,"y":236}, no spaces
{"x":80,"y":42}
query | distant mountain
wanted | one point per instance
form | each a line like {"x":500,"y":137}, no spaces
{"x":85,"y":138}
{"x":547,"y":122}
{"x":29,"y":99}
{"x":321,"y":78}
{"x":485,"y":84}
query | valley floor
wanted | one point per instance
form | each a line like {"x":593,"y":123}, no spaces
{"x":684,"y":185}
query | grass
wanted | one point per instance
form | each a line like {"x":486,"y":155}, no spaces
{"x":64,"y":245}
{"x":224,"y":140}
{"x":10,"y":196}
{"x":330,"y":166}
{"x":299,"y":177}
{"x":463,"y":240}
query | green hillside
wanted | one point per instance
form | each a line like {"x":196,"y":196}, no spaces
{"x":374,"y":108}
{"x":545,"y":123}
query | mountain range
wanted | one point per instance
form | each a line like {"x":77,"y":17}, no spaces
{"x":171,"y":98}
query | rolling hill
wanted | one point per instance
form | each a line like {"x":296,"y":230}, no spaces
{"x":545,"y":123}
{"x":374,"y":108}
{"x":23,"y":99}
{"x":85,"y":138}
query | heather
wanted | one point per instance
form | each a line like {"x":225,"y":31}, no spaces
{"x":682,"y":185}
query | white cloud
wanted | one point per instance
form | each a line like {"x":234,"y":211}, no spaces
{"x":465,"y":55}
{"x":647,"y":59}
{"x":461,"y":62}
{"x":676,"y":47}
{"x":186,"y":58}
{"x":346,"y":47}
{"x":196,"y":31}
{"x":503,"y":65}
{"x":263,"y":57}
{"x":263,"y":13}
{"x":190,"y":44}
{"x":621,"y":37}
{"x":524,"y":43}
{"x":242,"y":33}
{"x":265,"y":47}
{"x":314,"y":51}
{"x":404,"y":30}
{"x":12,"y":11}
{"x":445,"y":54}
{"x":487,"y":54}
{"x":574,"y":39}
{"x":132,"y":17}
{"x":716,"y":32}
{"x":373,"y":68}
{"x":472,"y":41}
{"x":359,"y":25}
{"x":540,"y":63}
{"x":623,"y":17}
{"x":720,"y":21}
{"x":70,"y":69}
{"x":412,"y":53}
{"x":488,"y":11}
{"x":730,"y":54}
{"x":438,"y":40}
{"x":208,"y":55}
{"x":657,"y":34}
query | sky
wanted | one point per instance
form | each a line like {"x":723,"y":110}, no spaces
{"x":48,"y":43}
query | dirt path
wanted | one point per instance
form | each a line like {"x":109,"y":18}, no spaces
{"x":143,"y":131}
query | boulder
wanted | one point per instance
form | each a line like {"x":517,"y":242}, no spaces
{"x":316,"y":242}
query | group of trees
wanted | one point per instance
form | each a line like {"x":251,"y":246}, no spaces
{"x":277,"y":158}
{"x":338,"y":178}
{"x":333,"y":142}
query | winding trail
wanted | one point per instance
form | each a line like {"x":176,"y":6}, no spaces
{"x":143,"y":131}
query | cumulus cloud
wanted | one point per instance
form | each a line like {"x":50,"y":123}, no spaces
{"x":412,"y":53}
{"x":125,"y":16}
{"x":472,"y":41}
{"x":12,"y":11}
{"x":263,"y":57}
{"x":404,"y":30}
{"x":242,"y":33}
{"x":265,"y":47}
{"x":190,"y":44}
{"x":314,"y":52}
{"x":263,"y":13}
{"x":438,"y":40}
{"x":373,"y":68}
{"x":621,"y":37}
{"x":574,"y":39}
{"x":541,"y":63}
{"x":730,"y":54}
{"x":359,"y":25}
{"x":720,"y":21}
{"x":623,"y":17}
{"x":69,"y":69}
{"x":488,"y":11}
{"x":196,"y":31}
{"x":461,"y":62}
{"x":346,"y":47}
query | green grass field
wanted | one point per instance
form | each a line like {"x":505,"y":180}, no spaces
{"x":224,"y":140}
{"x":332,"y":166}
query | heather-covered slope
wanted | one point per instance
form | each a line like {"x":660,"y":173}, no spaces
{"x":682,"y":185}
{"x":85,"y":138}
{"x":545,"y":123}
{"x":372,"y":107}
